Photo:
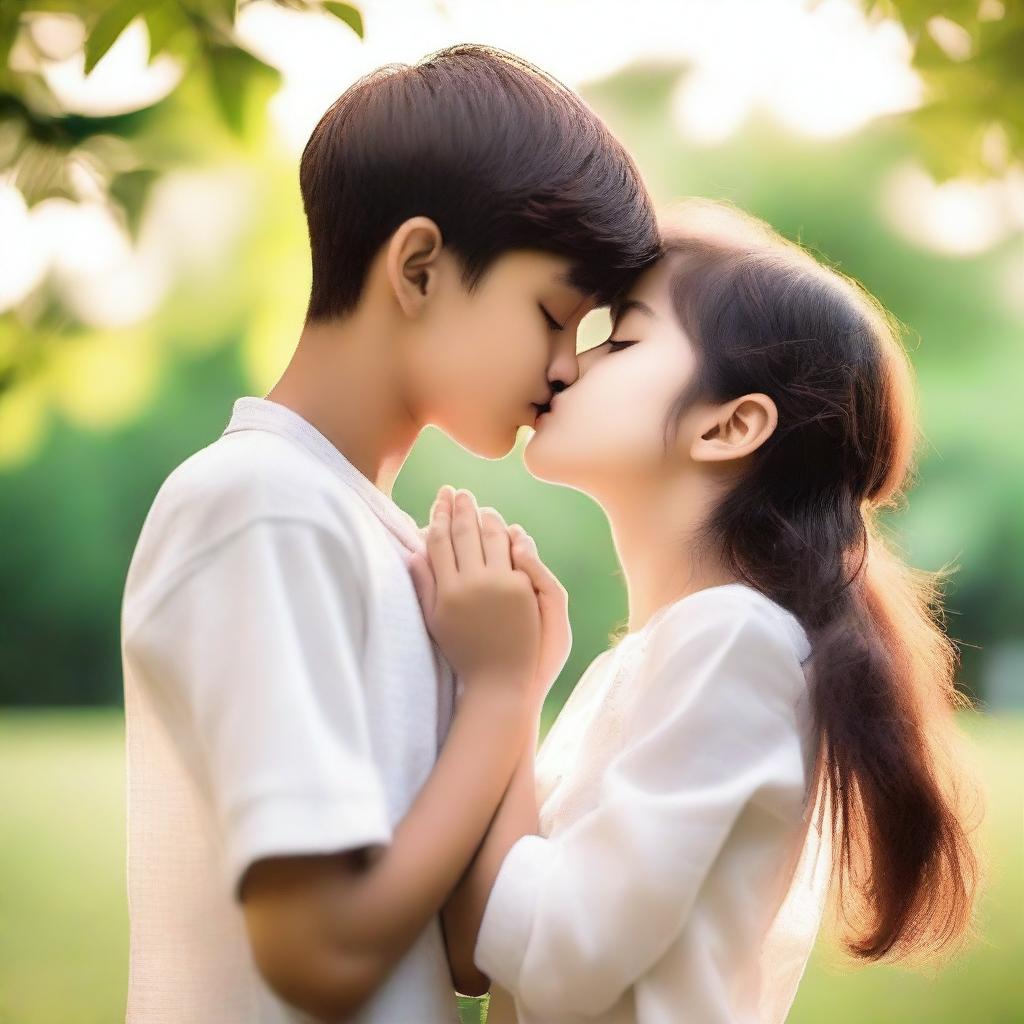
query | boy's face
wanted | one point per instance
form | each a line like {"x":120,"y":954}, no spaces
{"x":484,"y":359}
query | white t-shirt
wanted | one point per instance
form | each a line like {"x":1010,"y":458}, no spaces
{"x":282,"y":696}
{"x":679,"y":876}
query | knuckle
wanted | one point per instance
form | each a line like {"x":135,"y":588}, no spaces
{"x":520,"y":581}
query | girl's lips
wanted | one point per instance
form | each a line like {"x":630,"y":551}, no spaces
{"x":543,"y":411}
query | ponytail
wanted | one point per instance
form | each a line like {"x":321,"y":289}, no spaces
{"x":882,"y":688}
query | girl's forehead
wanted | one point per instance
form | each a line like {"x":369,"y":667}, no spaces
{"x":651,"y":288}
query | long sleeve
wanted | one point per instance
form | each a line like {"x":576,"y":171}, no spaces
{"x":575,"y":919}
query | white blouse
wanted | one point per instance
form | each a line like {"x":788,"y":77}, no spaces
{"x":675,"y":879}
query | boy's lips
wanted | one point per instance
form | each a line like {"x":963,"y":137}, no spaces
{"x":542,"y":411}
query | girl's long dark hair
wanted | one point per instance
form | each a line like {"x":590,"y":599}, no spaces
{"x":800,"y":525}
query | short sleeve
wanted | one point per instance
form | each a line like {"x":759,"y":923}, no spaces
{"x":574,"y":920}
{"x":256,"y":651}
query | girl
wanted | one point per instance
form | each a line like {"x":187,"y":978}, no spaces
{"x":778,"y":714}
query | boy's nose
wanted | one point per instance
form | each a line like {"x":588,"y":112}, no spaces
{"x":565,"y":367}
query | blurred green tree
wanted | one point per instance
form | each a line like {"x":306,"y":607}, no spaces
{"x":970,"y":54}
{"x":150,"y":394}
{"x":45,"y":149}
{"x":41,"y":139}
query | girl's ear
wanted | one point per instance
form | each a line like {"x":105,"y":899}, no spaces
{"x":411,"y":262}
{"x":735,"y":429}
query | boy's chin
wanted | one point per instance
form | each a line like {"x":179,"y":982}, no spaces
{"x":489,"y":446}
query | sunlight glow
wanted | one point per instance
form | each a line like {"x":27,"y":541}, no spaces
{"x":822,"y":72}
{"x":103,"y":378}
{"x":22,"y":256}
{"x":822,"y":69}
{"x":103,"y":280}
{"x":957,"y":217}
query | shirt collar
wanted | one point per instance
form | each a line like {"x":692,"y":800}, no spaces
{"x":262,"y":414}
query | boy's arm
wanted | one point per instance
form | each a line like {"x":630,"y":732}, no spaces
{"x":464,"y":910}
{"x":325,"y":930}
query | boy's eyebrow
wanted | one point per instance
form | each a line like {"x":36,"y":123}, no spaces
{"x":623,"y":306}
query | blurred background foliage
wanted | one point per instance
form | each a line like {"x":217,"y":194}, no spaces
{"x":153,"y":267}
{"x":172,"y":276}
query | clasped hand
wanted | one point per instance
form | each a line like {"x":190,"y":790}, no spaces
{"x":493,"y":607}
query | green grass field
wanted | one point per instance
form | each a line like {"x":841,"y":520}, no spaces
{"x":63,"y":919}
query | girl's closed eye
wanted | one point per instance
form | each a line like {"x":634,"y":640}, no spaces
{"x":618,"y":346}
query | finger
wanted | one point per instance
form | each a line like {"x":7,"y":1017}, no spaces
{"x":439,"y":541}
{"x":494,"y":535}
{"x":424,"y":583}
{"x":465,"y":532}
{"x":526,"y":557}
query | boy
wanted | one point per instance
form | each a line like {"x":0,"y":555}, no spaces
{"x":293,"y":829}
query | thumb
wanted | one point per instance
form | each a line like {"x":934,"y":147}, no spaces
{"x":423,"y":581}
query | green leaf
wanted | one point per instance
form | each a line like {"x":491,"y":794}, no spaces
{"x":221,"y":12}
{"x":233,"y":71}
{"x":10,"y":15}
{"x":131,"y":190}
{"x":110,"y":24}
{"x":348,"y":14}
{"x":226,"y":9}
{"x":163,"y":21}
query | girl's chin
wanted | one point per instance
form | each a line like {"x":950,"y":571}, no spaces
{"x":544,"y":463}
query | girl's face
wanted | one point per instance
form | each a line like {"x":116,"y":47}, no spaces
{"x":607,"y":429}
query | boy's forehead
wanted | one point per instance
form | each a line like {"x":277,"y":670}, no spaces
{"x":560,"y":272}
{"x":572,"y":280}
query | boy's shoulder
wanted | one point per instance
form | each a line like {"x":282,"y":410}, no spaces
{"x":253,"y":475}
{"x":243,"y":479}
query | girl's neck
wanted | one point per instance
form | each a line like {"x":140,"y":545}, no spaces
{"x":653,"y":529}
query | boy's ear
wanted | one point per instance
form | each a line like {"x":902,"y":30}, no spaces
{"x":412,"y":262}
{"x":735,"y":429}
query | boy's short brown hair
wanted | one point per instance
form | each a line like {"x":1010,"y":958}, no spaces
{"x":499,"y":154}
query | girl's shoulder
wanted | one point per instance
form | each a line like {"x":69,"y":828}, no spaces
{"x":731,"y":609}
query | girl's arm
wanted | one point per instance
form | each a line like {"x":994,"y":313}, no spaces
{"x":462,"y":914}
{"x":573,"y":920}
{"x":517,"y":814}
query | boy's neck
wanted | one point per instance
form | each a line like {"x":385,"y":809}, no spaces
{"x":343,"y":379}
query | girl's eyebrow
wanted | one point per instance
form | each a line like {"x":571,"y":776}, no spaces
{"x":621,"y":308}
